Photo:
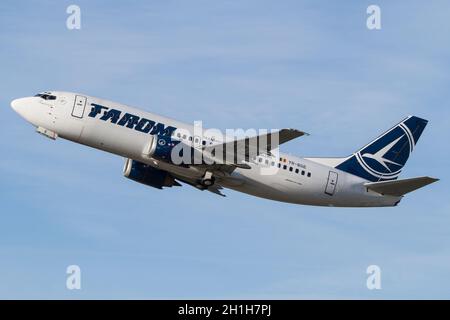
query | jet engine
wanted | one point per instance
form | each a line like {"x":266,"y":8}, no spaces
{"x":146,"y":174}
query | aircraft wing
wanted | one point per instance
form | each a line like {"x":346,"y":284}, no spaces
{"x":223,"y":158}
{"x":234,"y":152}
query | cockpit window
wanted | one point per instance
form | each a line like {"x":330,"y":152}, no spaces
{"x":46,"y":96}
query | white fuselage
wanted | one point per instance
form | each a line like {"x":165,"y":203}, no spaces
{"x":309,"y":182}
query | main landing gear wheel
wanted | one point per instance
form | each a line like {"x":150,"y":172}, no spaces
{"x":207,"y":180}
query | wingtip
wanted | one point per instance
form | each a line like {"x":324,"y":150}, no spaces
{"x":299,"y":132}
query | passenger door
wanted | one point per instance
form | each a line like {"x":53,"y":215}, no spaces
{"x":331,"y":183}
{"x":79,"y":106}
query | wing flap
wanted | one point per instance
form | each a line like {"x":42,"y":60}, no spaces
{"x":399,"y":187}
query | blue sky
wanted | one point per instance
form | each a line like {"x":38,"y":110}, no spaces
{"x":311,"y":65}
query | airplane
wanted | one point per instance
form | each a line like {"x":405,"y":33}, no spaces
{"x":147,"y":141}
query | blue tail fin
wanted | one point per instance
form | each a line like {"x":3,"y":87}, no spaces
{"x":384,"y":158}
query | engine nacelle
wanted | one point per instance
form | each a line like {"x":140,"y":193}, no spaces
{"x":162,"y":146}
{"x":146,"y":174}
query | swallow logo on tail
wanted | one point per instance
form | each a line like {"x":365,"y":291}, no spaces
{"x":384,"y":158}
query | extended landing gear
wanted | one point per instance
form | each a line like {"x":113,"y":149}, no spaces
{"x":207,"y":180}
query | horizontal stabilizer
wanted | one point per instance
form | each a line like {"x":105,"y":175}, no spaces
{"x":399,"y":187}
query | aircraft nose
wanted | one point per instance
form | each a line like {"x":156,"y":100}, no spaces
{"x":26,"y":108}
{"x":18,"y":105}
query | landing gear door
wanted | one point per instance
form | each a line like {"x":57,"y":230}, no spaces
{"x":331,"y":183}
{"x":79,"y":106}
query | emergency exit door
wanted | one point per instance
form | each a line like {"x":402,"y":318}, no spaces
{"x":78,"y":107}
{"x":331,"y":183}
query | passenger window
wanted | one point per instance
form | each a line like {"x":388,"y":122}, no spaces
{"x":290,"y":169}
{"x":303,"y":172}
{"x":309,"y":174}
{"x":285,"y":167}
{"x":296,"y":170}
{"x":273,"y":163}
{"x":279,"y":165}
